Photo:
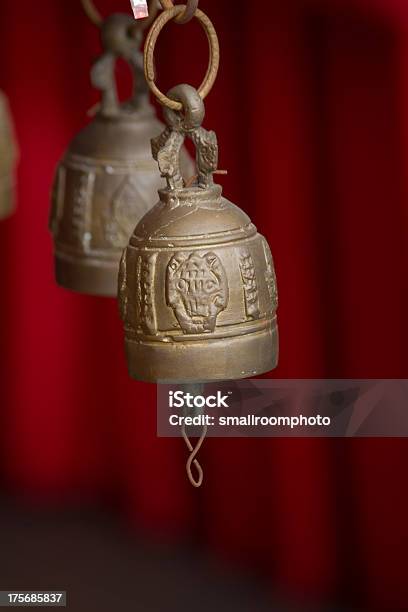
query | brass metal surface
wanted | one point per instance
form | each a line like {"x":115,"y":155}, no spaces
{"x":107,"y":179}
{"x":8,"y":158}
{"x":197,"y":286}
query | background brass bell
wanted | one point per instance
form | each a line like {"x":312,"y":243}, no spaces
{"x":197,"y":286}
{"x":107,"y":180}
{"x":8,"y":158}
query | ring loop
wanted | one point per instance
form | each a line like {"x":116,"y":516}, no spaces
{"x":96,"y":18}
{"x":150,"y":45}
{"x":189,"y":11}
{"x":193,"y":108}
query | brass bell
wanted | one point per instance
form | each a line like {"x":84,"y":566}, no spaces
{"x":8,"y":158}
{"x":107,"y":180}
{"x":197,"y":286}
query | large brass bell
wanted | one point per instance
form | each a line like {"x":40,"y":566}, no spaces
{"x":107,"y":180}
{"x":197,"y":285}
{"x":8,"y":157}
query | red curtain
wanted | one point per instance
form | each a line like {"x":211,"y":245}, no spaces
{"x":311,"y":111}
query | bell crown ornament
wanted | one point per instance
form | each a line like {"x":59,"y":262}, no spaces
{"x":107,"y":179}
{"x":197,"y":285}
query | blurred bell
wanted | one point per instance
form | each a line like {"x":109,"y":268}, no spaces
{"x":8,"y":158}
{"x":107,"y":180}
{"x":197,"y":286}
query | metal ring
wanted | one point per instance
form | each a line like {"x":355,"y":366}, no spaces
{"x":150,"y":45}
{"x":96,"y":18}
{"x":193,"y":108}
{"x":189,"y":11}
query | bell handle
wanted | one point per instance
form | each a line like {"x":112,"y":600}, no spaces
{"x":117,"y":42}
{"x":166,"y":147}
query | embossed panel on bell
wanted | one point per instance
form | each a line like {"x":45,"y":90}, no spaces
{"x":107,"y":179}
{"x":8,"y":155}
{"x":197,"y":285}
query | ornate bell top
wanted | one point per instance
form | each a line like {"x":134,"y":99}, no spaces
{"x":193,"y":216}
{"x":198,"y":214}
{"x":118,"y":126}
{"x":120,"y":38}
{"x":122,"y":137}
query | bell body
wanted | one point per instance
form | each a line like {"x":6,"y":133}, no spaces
{"x":8,"y":155}
{"x":107,"y":179}
{"x":197,"y":292}
{"x":104,"y":185}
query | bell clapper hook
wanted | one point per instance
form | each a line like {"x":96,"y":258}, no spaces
{"x":194,"y":390}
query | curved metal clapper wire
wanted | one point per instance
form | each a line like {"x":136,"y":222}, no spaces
{"x":192,"y":461}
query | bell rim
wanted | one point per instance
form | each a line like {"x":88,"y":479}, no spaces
{"x":240,"y":359}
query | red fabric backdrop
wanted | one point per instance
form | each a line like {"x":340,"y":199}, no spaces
{"x":311,"y":110}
